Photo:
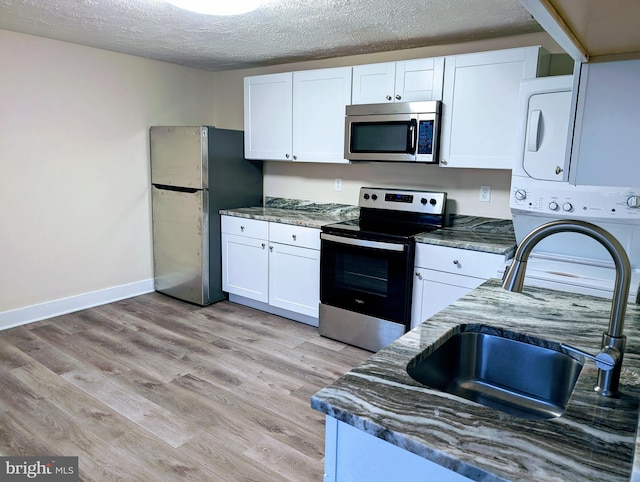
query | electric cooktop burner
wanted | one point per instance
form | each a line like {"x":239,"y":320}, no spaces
{"x":394,"y":213}
{"x":355,"y":228}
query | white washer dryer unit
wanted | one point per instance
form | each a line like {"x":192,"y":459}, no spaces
{"x":570,"y":261}
{"x":540,"y":193}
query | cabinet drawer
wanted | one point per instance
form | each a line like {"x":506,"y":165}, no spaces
{"x":458,"y":261}
{"x":251,"y":228}
{"x":294,"y":235}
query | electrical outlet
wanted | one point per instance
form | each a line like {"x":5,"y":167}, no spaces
{"x":337,"y":186}
{"x":485,"y":194}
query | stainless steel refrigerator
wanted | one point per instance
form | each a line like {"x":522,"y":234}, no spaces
{"x":195,"y":172}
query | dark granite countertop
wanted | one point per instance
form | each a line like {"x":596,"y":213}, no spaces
{"x":297,"y":212}
{"x":475,"y":233}
{"x":595,"y":439}
{"x":464,"y":232}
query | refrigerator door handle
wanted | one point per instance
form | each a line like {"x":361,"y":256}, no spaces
{"x":166,"y":187}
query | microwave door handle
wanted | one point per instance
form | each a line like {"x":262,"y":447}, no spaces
{"x":413,"y":134}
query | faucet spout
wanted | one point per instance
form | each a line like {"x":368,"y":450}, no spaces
{"x":613,"y":340}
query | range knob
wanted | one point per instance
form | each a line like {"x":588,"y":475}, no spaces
{"x":424,"y":201}
{"x":374,"y":196}
{"x":554,"y":206}
{"x":633,"y":201}
{"x":433,"y":202}
{"x":366,"y":196}
{"x":520,"y":194}
{"x":567,"y":207}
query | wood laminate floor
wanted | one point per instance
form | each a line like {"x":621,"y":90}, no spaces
{"x":153,"y":389}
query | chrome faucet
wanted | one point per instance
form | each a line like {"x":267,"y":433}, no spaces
{"x":609,"y":359}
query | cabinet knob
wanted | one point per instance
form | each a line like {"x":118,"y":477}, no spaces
{"x":418,"y":275}
{"x":398,"y":97}
{"x":389,"y":97}
{"x":287,"y":156}
{"x":558,"y":170}
{"x":264,"y":245}
{"x":294,"y":237}
{"x":241,"y":228}
{"x":270,"y":248}
{"x":295,"y":158}
{"x":456,"y":262}
{"x":443,"y":162}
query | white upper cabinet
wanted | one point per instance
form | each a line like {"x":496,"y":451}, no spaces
{"x":268,"y":105}
{"x":297,"y":116}
{"x":480,"y":106}
{"x":319,"y":101}
{"x":404,"y":81}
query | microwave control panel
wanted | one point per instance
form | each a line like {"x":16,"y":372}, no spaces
{"x":425,"y":137}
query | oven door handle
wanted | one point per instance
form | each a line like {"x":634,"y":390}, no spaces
{"x":363,"y":243}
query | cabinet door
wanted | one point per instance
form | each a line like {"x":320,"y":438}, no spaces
{"x":433,"y":291}
{"x":356,"y":456}
{"x":419,"y":80}
{"x":605,"y":142}
{"x":546,"y":136}
{"x":480,"y":106}
{"x":294,"y":278}
{"x":374,"y":83}
{"x":268,"y":116}
{"x":319,"y":101}
{"x":245,"y":267}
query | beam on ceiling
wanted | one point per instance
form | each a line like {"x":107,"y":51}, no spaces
{"x":550,"y":20}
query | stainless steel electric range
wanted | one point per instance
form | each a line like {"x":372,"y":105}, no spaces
{"x":366,"y":265}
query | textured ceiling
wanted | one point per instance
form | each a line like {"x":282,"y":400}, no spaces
{"x":280,"y":31}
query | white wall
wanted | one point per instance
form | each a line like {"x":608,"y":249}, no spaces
{"x":316,"y":181}
{"x":74,"y":179}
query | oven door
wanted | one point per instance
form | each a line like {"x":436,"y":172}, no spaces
{"x":367,"y":276}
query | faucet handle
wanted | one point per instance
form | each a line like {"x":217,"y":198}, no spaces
{"x":605,"y":360}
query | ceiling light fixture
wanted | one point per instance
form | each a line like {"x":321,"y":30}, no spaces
{"x":217,"y":7}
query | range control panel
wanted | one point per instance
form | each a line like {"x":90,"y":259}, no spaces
{"x":564,"y":200}
{"x":403,"y":200}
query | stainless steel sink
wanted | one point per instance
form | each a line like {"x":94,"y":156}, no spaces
{"x":508,"y":371}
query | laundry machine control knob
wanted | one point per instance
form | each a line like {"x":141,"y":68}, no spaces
{"x":520,"y":194}
{"x":554,"y":206}
{"x":567,"y":207}
{"x":633,"y":201}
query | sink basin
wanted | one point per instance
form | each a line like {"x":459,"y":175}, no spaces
{"x":508,"y":371}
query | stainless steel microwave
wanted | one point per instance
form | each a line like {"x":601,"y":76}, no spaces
{"x":402,"y":131}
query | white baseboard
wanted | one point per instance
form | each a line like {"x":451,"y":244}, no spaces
{"x":29,"y":314}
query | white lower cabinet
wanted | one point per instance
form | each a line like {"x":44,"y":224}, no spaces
{"x":444,"y":274}
{"x":245,"y":266}
{"x":272,"y":266}
{"x":357,"y":456}
{"x":294,"y":278}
